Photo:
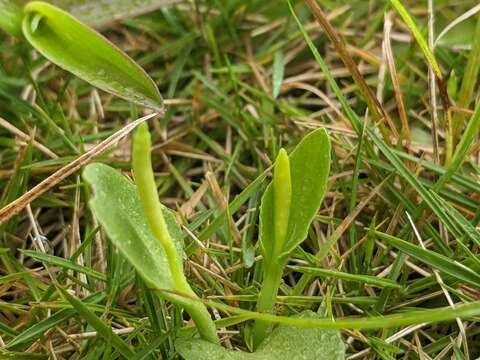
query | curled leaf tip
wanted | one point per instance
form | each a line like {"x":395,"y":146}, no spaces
{"x":35,"y":21}
{"x":77,"y":48}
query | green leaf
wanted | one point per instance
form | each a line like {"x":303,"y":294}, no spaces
{"x":66,"y":264}
{"x":309,"y":169}
{"x":40,"y":327}
{"x":285,"y":342}
{"x":465,"y":227}
{"x":461,"y":152}
{"x":74,"y":46}
{"x":117,"y":206}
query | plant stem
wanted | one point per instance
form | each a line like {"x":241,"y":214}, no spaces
{"x":147,"y":190}
{"x":272,"y":277}
{"x":203,"y":320}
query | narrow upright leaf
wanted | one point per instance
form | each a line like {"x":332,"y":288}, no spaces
{"x":74,"y":46}
{"x":288,"y":207}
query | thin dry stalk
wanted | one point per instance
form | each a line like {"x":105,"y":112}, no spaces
{"x":19,"y":204}
{"x":377,"y":110}
{"x":21,"y":135}
{"x":387,"y":49}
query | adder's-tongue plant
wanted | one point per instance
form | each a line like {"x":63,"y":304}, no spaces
{"x":147,"y":190}
{"x":141,"y":228}
{"x":144,"y":231}
{"x":288,"y":207}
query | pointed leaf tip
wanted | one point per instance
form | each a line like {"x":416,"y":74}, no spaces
{"x":75,"y":47}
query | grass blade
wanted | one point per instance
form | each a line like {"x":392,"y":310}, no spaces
{"x":364,"y":279}
{"x":66,"y":264}
{"x":98,"y":324}
{"x":41,"y":327}
{"x":433,"y":259}
{"x":407,"y":18}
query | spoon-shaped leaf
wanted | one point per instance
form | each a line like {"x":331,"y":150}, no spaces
{"x":285,"y":342}
{"x":117,"y":206}
{"x":74,"y":46}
